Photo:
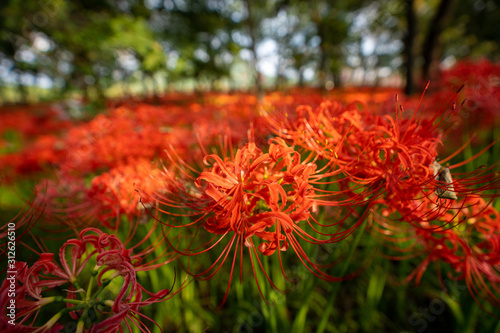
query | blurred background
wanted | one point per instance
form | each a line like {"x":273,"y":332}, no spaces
{"x":103,"y":49}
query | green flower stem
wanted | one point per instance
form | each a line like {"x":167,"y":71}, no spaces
{"x":43,"y":301}
{"x":86,"y":305}
{"x":345,"y":266}
{"x":77,"y":286}
{"x":70,"y":301}
{"x":61,"y":313}
{"x":91,"y":282}
{"x":105,"y":283}
{"x":54,"y":299}
{"x":81,"y":322}
{"x":268,"y":306}
{"x":299,"y":322}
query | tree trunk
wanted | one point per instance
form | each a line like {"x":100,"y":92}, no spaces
{"x":301,"y":76}
{"x":337,"y":76}
{"x":411,"y":21}
{"x":322,"y":56}
{"x":430,"y":47}
{"x":253,"y":49}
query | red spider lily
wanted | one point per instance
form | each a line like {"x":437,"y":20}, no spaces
{"x":37,"y":129}
{"x":142,"y":131}
{"x":88,"y":265}
{"x":115,"y":192}
{"x":341,"y":135}
{"x":33,"y":120}
{"x":473,"y":255}
{"x":380,"y":151}
{"x":108,"y":141}
{"x":481,"y":260}
{"x":323,"y":134}
{"x":261,"y":201}
{"x":471,"y":248}
{"x":44,"y":152}
{"x":12,"y":289}
{"x":470,"y":72}
{"x":370,"y":149}
{"x":482,"y":91}
{"x":111,"y":195}
{"x":104,"y":142}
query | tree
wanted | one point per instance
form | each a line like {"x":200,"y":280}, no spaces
{"x":411,"y":34}
{"x":78,"y":36}
{"x":430,"y":47}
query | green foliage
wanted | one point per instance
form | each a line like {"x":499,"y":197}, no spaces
{"x":88,"y":47}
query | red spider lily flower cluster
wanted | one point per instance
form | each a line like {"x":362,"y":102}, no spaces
{"x":110,"y":196}
{"x":114,"y":149}
{"x":379,"y":151}
{"x":114,"y":193}
{"x":45,"y":150}
{"x":470,"y":247}
{"x":395,"y":158}
{"x":260,"y":201}
{"x":132,"y":131}
{"x":92,"y":267}
{"x":482,"y":93}
{"x":34,"y":120}
{"x":249,"y":196}
{"x":470,"y":72}
{"x":33,"y":132}
{"x":369,"y":148}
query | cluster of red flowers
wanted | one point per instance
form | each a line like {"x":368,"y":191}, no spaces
{"x":470,"y":246}
{"x":347,"y":155}
{"x":35,"y":127}
{"x":30,"y":121}
{"x":119,"y":151}
{"x":91,"y":304}
{"x":481,"y":80}
{"x":259,"y":200}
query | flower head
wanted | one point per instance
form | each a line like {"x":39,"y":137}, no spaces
{"x":259,"y":201}
{"x":91,"y":267}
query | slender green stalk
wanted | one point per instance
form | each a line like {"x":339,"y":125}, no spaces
{"x":326,"y":314}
